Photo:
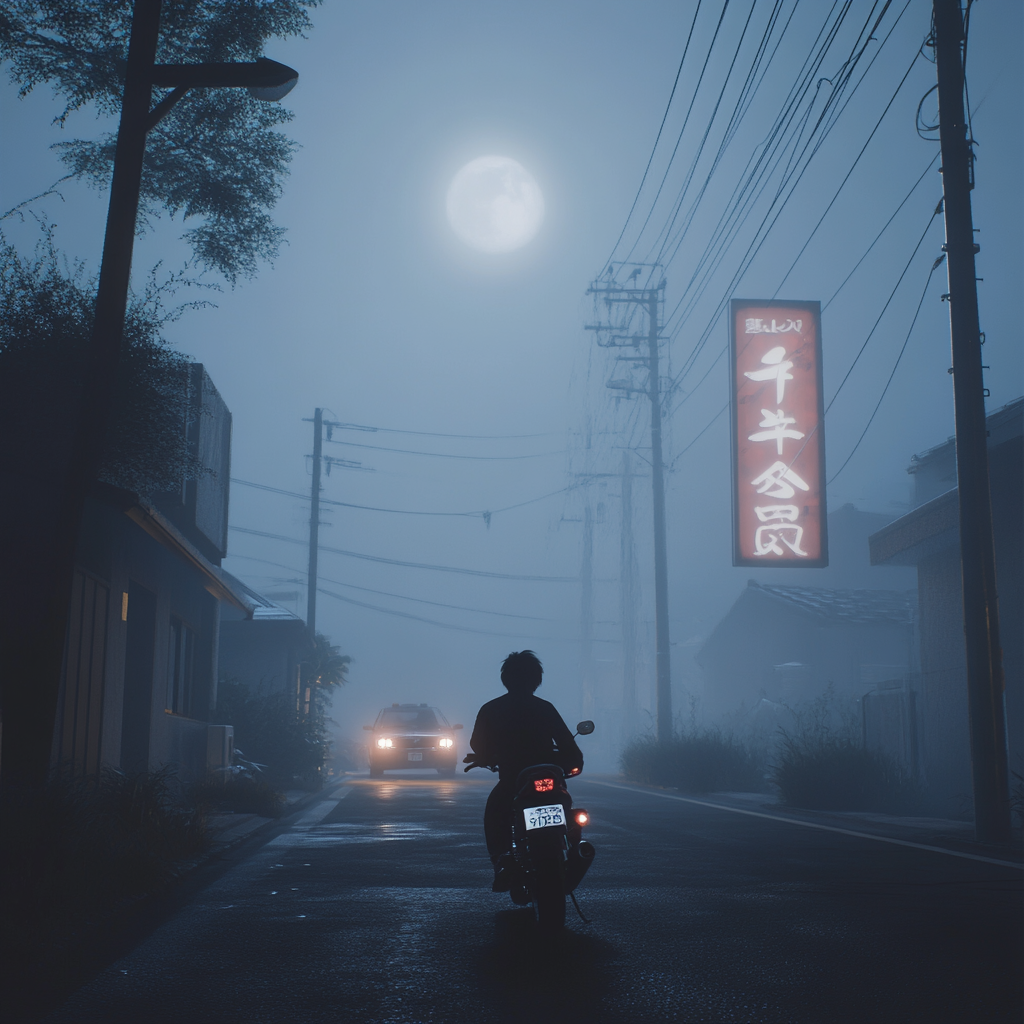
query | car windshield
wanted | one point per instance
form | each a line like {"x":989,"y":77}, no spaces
{"x":409,"y":718}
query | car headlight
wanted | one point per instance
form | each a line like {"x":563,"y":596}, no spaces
{"x":384,"y":743}
{"x":446,"y":742}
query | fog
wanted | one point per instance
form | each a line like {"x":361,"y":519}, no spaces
{"x":379,"y":314}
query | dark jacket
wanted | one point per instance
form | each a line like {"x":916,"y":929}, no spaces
{"x":518,"y":730}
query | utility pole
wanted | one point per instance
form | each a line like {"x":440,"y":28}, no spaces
{"x":314,"y":522}
{"x":977,"y":551}
{"x":587,"y":611}
{"x":650,"y":300}
{"x":627,"y":604}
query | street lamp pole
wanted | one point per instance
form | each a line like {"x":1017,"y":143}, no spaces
{"x":37,"y":651}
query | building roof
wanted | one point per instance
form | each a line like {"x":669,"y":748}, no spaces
{"x":1007,"y":421}
{"x":165,"y":533}
{"x":844,"y":607}
{"x":919,"y":534}
{"x":260,"y":608}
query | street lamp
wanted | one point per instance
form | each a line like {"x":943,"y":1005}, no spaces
{"x":265,"y":80}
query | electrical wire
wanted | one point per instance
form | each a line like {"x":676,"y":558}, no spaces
{"x":913,"y":189}
{"x":385,"y":593}
{"x":906,"y":341}
{"x":654,"y":148}
{"x":445,"y":455}
{"x":483,"y":513}
{"x":899,"y":280}
{"x":428,"y":433}
{"x":408,"y":565}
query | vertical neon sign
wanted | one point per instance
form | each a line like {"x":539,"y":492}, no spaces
{"x":778,"y":441}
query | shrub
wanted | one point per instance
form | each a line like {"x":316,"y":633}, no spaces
{"x":835,"y":774}
{"x":76,"y":848}
{"x":698,"y":762}
{"x":270,"y":731}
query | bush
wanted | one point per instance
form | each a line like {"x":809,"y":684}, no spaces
{"x":698,"y":762}
{"x":269,"y":730}
{"x":77,"y":848}
{"x":241,"y":794}
{"x":835,"y":774}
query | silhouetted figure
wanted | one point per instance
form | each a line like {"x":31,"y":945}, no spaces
{"x":514,"y":732}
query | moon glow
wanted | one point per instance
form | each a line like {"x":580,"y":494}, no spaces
{"x":494,"y":205}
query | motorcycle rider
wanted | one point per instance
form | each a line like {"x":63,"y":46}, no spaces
{"x":514,"y":732}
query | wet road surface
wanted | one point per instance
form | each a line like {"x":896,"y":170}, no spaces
{"x":374,"y":905}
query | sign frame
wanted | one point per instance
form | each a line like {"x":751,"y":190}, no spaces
{"x":809,"y":311}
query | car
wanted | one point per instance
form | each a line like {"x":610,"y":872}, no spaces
{"x":412,"y":736}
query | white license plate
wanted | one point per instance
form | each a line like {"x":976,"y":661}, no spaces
{"x":544,"y":817}
{"x":415,"y":755}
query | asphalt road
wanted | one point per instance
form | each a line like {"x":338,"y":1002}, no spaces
{"x":376,"y":907}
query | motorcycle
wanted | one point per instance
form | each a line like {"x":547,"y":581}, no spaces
{"x":549,"y":857}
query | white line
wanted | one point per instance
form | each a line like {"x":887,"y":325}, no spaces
{"x":318,"y":811}
{"x":811,"y":824}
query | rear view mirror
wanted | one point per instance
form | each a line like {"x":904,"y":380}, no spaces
{"x":457,"y":726}
{"x":368,"y":728}
{"x":585,"y":728}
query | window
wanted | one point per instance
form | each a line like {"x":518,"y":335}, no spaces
{"x":180,"y":668}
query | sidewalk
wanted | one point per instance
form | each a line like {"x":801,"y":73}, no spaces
{"x":230,"y":828}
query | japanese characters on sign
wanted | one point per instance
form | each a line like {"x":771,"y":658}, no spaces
{"x":778,"y":439}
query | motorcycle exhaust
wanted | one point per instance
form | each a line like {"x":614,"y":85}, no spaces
{"x":577,"y":864}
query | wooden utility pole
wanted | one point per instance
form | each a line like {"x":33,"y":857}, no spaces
{"x":660,"y":545}
{"x":650,"y":299}
{"x":587,"y":611}
{"x":977,"y":552}
{"x":627,"y":604}
{"x":314,"y":521}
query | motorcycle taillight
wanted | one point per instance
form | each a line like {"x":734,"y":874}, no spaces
{"x":543,"y":785}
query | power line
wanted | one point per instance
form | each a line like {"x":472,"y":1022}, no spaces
{"x":906,"y":341}
{"x":760,"y":236}
{"x":483,"y":513}
{"x":428,"y":433}
{"x":899,"y":280}
{"x":885,"y":226}
{"x":445,"y":455}
{"x":408,"y":565}
{"x":385,"y":593}
{"x":654,"y":149}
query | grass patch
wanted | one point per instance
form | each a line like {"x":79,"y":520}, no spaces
{"x":698,"y":762}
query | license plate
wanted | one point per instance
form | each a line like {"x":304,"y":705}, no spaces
{"x":544,"y":817}
{"x":415,"y":755}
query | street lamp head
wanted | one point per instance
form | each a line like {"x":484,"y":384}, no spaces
{"x":280,"y":80}
{"x":264,"y":79}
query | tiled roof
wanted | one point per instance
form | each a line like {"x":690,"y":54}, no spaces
{"x":846,"y":607}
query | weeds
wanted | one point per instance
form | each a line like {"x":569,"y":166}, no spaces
{"x":702,"y":761}
{"x":78,"y":849}
{"x":836,"y":774}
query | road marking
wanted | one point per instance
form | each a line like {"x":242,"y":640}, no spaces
{"x":321,"y":809}
{"x":812,"y":824}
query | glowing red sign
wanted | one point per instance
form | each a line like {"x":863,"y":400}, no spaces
{"x":778,"y":440}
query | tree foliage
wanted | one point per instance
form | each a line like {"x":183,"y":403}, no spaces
{"x":44,"y":339}
{"x":217,"y":157}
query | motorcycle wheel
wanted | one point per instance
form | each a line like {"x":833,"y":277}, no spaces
{"x":548,"y":891}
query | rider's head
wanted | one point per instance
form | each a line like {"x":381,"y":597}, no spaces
{"x":521,"y":672}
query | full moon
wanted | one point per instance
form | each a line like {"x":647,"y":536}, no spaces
{"x":494,"y":204}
